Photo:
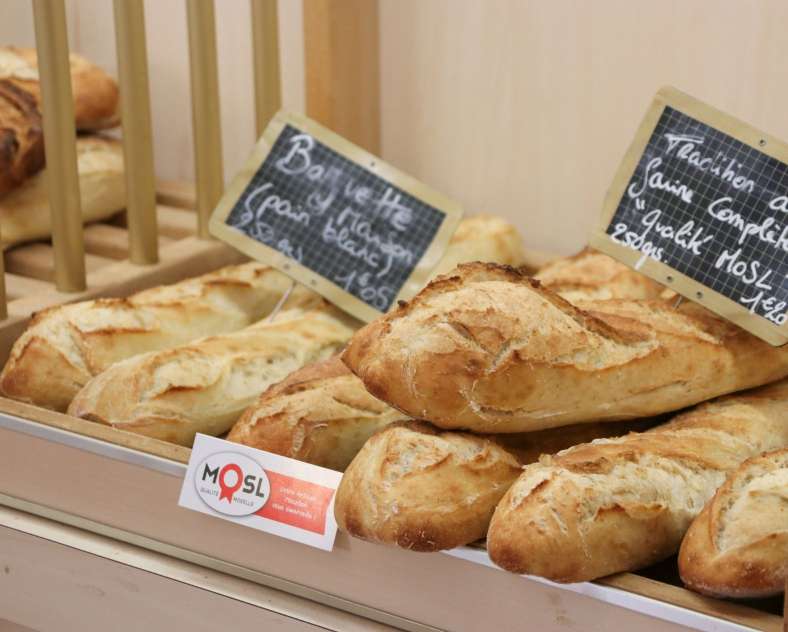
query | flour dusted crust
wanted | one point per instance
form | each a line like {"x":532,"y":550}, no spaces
{"x":421,"y":489}
{"x":65,"y":346}
{"x":204,"y":386}
{"x":96,"y":100}
{"x":25,"y":213}
{"x":488,"y":349}
{"x":620,"y":504}
{"x":738,"y":545}
{"x":321,"y":414}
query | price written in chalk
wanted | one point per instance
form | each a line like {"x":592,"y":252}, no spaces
{"x":335,"y":217}
{"x":704,"y":203}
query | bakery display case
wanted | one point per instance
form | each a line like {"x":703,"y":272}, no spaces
{"x":89,"y":513}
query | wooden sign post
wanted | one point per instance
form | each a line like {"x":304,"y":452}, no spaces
{"x":700,"y":204}
{"x":335,"y":217}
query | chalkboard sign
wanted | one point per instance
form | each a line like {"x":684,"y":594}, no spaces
{"x":700,"y":203}
{"x":335,"y":217}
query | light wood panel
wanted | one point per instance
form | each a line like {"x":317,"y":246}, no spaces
{"x":524,"y":108}
{"x":95,"y":583}
{"x":341,"y":41}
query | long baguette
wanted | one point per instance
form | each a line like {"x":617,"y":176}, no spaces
{"x":25,"y":212}
{"x":65,"y":346}
{"x":620,"y":504}
{"x":205,"y":385}
{"x":738,"y":545}
{"x":490,"y":350}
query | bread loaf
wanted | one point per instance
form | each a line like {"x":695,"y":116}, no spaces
{"x":620,"y":504}
{"x":592,"y":275}
{"x":321,"y":414}
{"x":488,"y":349}
{"x":482,"y":238}
{"x":95,"y":92}
{"x":65,"y":346}
{"x":738,"y":545}
{"x":422,"y":489}
{"x":21,"y":136}
{"x":205,"y":385}
{"x":25,"y":213}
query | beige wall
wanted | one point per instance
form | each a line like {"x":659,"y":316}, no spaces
{"x":525,"y":107}
{"x":518,"y":107}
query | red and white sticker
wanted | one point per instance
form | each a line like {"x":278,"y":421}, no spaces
{"x":261,"y":490}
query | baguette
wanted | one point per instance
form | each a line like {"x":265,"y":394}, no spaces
{"x":422,"y":489}
{"x":65,"y":346}
{"x":489,"y":350}
{"x":205,"y":385}
{"x":416,"y":487}
{"x":95,"y":93}
{"x":21,"y":136}
{"x":738,"y":545}
{"x":621,"y":504}
{"x":321,"y":414}
{"x":592,"y":275}
{"x":482,"y":238}
{"x":25,"y":213}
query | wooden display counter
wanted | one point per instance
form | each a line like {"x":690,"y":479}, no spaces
{"x":99,"y":505}
{"x":130,"y":496}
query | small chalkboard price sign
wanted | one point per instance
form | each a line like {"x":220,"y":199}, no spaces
{"x":700,"y":204}
{"x":335,"y":217}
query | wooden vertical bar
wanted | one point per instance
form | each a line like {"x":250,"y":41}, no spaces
{"x":342,"y":58}
{"x":206,"y":123}
{"x":137,"y":131}
{"x":265,"y":50}
{"x":3,"y":298}
{"x":60,"y":141}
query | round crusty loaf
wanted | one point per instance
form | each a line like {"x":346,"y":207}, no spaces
{"x":488,"y":349}
{"x":621,"y":504}
{"x":422,"y":489}
{"x":321,"y":414}
{"x":738,"y":545}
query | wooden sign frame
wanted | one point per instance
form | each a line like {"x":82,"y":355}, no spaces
{"x":368,"y":161}
{"x":774,"y":334}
